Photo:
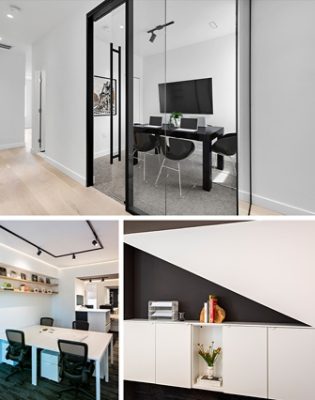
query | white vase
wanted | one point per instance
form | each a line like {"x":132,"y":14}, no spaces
{"x":210,"y":372}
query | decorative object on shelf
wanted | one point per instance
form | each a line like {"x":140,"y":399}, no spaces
{"x":175,"y":117}
{"x":49,"y":291}
{"x":48,"y":281}
{"x":210,"y":357}
{"x":35,"y":290}
{"x":13,"y":274}
{"x":22,"y":288}
{"x":3,"y":271}
{"x":204,"y":381}
{"x":34,"y":278}
{"x":43,"y":290}
{"x":23,"y":276}
{"x":7,"y":286}
{"x":167,"y":310}
{"x":212,"y":312}
{"x":181,"y":316}
{"x":41,"y":279}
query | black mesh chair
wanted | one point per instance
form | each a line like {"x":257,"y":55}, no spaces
{"x":226,"y":145}
{"x":17,"y":351}
{"x":144,"y":143}
{"x":176,"y":150}
{"x":75,"y":367}
{"x":47,"y":321}
{"x":80,"y":325}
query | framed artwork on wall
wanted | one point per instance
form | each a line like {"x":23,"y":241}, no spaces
{"x":102,"y":99}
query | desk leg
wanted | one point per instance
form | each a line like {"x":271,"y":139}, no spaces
{"x":112,"y":351}
{"x":34,"y":365}
{"x":98,"y":379}
{"x":106,"y":367}
{"x":220,"y":162}
{"x":206,"y":164}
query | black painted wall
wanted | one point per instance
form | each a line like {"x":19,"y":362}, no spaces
{"x":150,"y":278}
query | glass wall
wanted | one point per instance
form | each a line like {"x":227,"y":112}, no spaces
{"x":183,"y":160}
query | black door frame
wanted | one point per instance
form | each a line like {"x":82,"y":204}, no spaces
{"x":97,"y":13}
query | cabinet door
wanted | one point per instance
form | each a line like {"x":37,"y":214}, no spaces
{"x":291,"y":364}
{"x":139,"y":359}
{"x":244,"y":354}
{"x":173,"y":354}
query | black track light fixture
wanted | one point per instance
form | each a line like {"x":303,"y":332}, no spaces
{"x":95,"y":242}
{"x":73,"y":256}
{"x":39,"y":252}
{"x":158,"y":28}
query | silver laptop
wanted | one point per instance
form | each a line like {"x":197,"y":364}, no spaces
{"x":188,"y":125}
{"x":155,"y":122}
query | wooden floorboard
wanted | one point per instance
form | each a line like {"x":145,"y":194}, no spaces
{"x":48,"y":390}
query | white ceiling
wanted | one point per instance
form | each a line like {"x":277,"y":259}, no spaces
{"x":62,"y":237}
{"x":37,"y":17}
{"x":192,"y":18}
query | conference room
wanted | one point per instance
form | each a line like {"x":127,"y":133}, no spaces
{"x":59,"y":327}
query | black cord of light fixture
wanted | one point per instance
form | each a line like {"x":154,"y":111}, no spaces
{"x":158,"y":28}
{"x":96,"y":242}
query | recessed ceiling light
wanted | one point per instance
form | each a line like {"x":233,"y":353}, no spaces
{"x":121,"y":27}
{"x":213,"y":25}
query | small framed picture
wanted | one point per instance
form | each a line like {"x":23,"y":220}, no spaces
{"x":48,"y":281}
{"x":23,"y":276}
{"x":41,"y":279}
{"x":34,"y":278}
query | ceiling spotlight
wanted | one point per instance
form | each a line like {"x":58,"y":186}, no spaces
{"x":39,"y":252}
{"x":95,"y":242}
{"x":13,"y":11}
{"x":153,"y":37}
{"x":73,"y":256}
{"x":213,"y":24}
{"x":121,"y":27}
{"x":158,"y":28}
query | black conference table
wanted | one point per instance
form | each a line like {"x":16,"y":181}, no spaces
{"x":204,"y":134}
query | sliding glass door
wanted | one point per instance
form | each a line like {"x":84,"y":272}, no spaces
{"x":183,"y":146}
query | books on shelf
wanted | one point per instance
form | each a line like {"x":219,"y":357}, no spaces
{"x":214,"y":382}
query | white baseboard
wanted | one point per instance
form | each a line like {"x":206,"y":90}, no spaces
{"x":280,"y":207}
{"x":79,"y":178}
{"x":11,"y":146}
{"x":101,"y":154}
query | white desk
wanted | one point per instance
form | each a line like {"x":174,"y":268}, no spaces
{"x":98,"y":343}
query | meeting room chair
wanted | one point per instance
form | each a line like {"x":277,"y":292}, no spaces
{"x":226,"y":146}
{"x":47,"y":321}
{"x":80,"y":325}
{"x":144,"y":143}
{"x":75,"y":367}
{"x":176,"y":150}
{"x":17,"y":352}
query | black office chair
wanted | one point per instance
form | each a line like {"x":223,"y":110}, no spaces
{"x":75,"y":367}
{"x":47,"y":321}
{"x":145,"y":142}
{"x":17,"y":351}
{"x":176,"y":150}
{"x":81,"y":325}
{"x":226,"y":145}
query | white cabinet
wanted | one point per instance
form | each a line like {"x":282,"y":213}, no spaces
{"x":245,"y":361}
{"x":173,"y":354}
{"x":291,"y":363}
{"x":139,"y":348}
{"x":50,"y":365}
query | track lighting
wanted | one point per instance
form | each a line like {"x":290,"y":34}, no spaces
{"x":39,"y":252}
{"x":158,"y":28}
{"x":73,"y":256}
{"x":95,"y":242}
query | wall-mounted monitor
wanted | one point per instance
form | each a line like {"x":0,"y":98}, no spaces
{"x":80,"y":300}
{"x":188,"y":97}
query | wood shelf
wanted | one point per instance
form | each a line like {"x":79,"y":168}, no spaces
{"x":21,"y":292}
{"x":9,"y":278}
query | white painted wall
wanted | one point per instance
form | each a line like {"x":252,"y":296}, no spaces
{"x":283,"y":87}
{"x":62,"y":55}
{"x":211,"y":59}
{"x":12,"y":96}
{"x":271,"y":262}
{"x":64,"y":303}
{"x":20,"y":310}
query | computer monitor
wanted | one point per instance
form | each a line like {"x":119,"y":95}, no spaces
{"x":189,"y":123}
{"x":156,"y":121}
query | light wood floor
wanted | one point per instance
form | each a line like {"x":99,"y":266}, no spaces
{"x":29,"y":185}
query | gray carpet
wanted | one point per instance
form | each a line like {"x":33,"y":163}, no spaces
{"x":47,"y":390}
{"x":165,"y":198}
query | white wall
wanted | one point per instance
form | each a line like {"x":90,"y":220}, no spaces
{"x":283,"y":87}
{"x":64,"y":303}
{"x":20,"y":310}
{"x":211,"y":59}
{"x":12,"y":92}
{"x":62,"y":55}
{"x":271,"y":262}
